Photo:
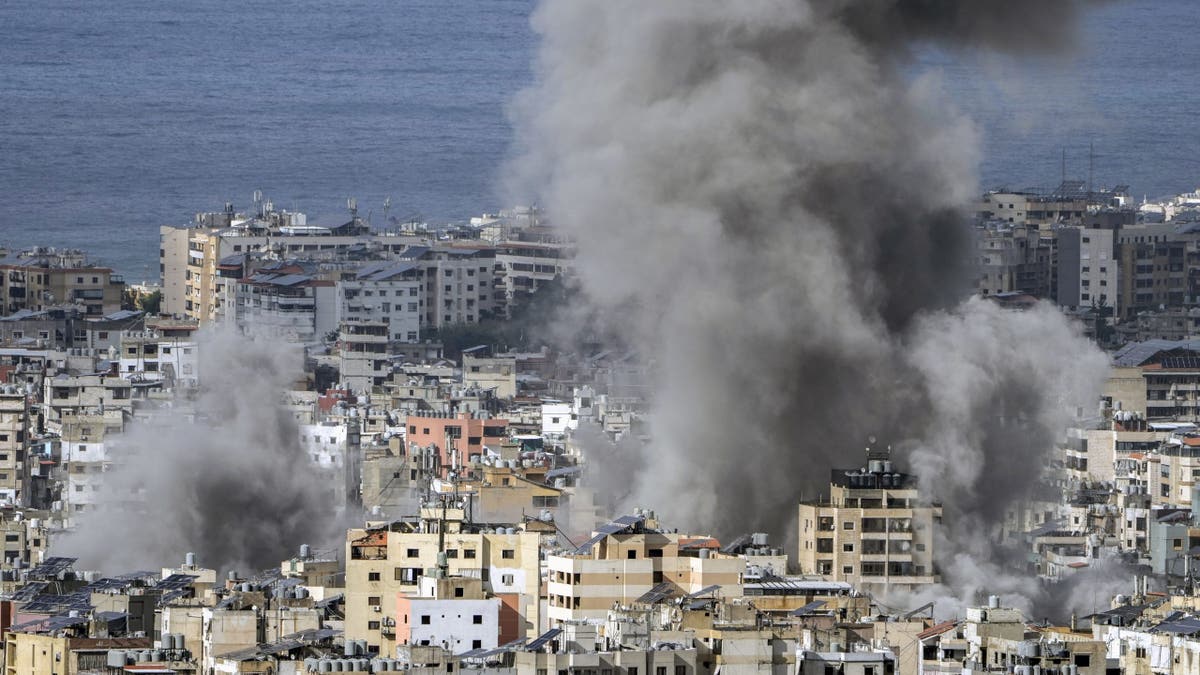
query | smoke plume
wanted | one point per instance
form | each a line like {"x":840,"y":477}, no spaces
{"x":223,"y":476}
{"x":772,"y":206}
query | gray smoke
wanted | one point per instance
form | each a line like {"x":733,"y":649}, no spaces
{"x":771,"y":206}
{"x":224,"y":476}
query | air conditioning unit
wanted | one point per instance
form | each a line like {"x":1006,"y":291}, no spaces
{"x":376,"y":608}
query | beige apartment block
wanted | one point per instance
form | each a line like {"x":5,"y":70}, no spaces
{"x":37,"y":282}
{"x":874,"y":529}
{"x":624,"y":560}
{"x":384,"y":562}
{"x":14,"y":434}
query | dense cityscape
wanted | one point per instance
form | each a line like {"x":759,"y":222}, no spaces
{"x":438,"y":450}
{"x":758,"y":368}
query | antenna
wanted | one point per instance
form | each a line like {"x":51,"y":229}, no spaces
{"x":1064,"y":167}
{"x":352,"y":204}
{"x":387,"y":206}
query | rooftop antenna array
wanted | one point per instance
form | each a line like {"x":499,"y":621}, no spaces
{"x":352,"y":204}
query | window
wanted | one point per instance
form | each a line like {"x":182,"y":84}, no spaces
{"x":477,"y":619}
{"x":848,"y":548}
{"x":632,"y":555}
{"x":424,"y":619}
{"x":508,"y":554}
{"x":451,"y":553}
{"x":469,"y":553}
{"x":476,"y":644}
{"x":373,"y":600}
{"x":848,"y":569}
{"x":372,"y":576}
{"x":459,"y":592}
{"x":372,"y":625}
{"x":506,"y":579}
{"x":848,"y":525}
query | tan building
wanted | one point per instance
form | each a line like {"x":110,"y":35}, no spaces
{"x":29,"y":653}
{"x":874,"y":529}
{"x":627,"y":559}
{"x":14,"y":436}
{"x":383,"y":562}
{"x":997,"y":639}
{"x":41,"y":280}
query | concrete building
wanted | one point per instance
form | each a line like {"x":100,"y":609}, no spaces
{"x":536,"y":256}
{"x":1088,"y":268}
{"x":453,"y":612}
{"x":1155,"y":261}
{"x":458,"y":284}
{"x":386,"y":563}
{"x":363,"y":355}
{"x":387,"y":292}
{"x":86,"y":456}
{"x":874,"y":530}
{"x":468,"y":435}
{"x":190,"y":257}
{"x":287,"y":303}
{"x":1169,"y":374}
{"x":14,"y":445}
{"x":630,"y":558}
{"x":44,"y":278}
{"x":997,"y":639}
{"x":153,"y":355}
{"x":1011,"y":259}
{"x":496,"y":373}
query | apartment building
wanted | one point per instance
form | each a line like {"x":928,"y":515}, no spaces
{"x":497,"y":373}
{"x":1088,"y":268}
{"x":150,"y":354}
{"x":388,"y":562}
{"x":1011,"y":259}
{"x":630,"y":558}
{"x":68,"y":396}
{"x":535,"y":257}
{"x":452,"y":612}
{"x":44,"y":278}
{"x":1154,"y":265}
{"x":387,"y":292}
{"x":191,"y":256}
{"x":363,"y":355}
{"x":874,"y":529}
{"x":14,"y":439}
{"x":287,"y":303}
{"x":86,"y":456}
{"x":458,"y":284}
{"x":467,"y":434}
{"x":1159,"y":379}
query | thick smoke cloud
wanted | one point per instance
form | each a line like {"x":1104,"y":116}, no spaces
{"x":224,"y":476}
{"x":772,"y":206}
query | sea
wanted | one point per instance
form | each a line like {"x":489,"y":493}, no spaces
{"x":120,"y":116}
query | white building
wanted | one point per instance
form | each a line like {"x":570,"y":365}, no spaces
{"x":389,"y":292}
{"x":149,"y":355}
{"x":325,"y":444}
{"x":287,"y":304}
{"x":557,"y":419}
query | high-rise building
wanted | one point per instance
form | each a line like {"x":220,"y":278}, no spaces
{"x":874,"y":529}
